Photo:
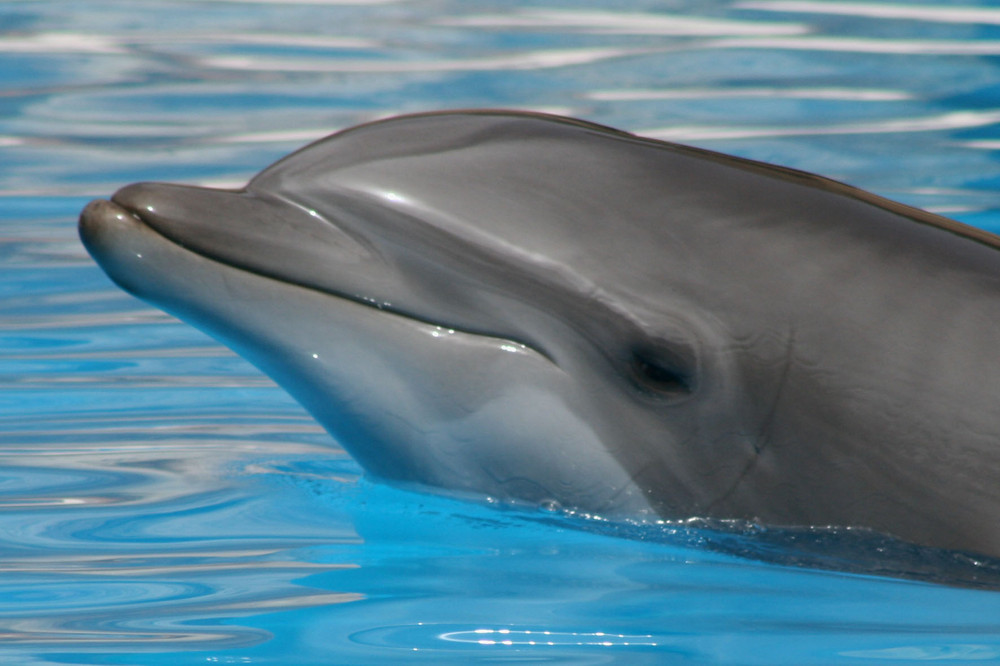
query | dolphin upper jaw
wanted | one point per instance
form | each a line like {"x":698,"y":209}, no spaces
{"x":340,"y":252}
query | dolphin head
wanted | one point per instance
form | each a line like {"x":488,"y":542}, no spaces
{"x":447,"y":315}
{"x":541,"y":309}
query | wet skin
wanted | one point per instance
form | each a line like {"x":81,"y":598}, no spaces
{"x":541,"y":309}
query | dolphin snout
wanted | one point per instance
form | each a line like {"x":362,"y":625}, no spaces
{"x":181,"y":211}
{"x":261,"y":234}
{"x":100,"y":218}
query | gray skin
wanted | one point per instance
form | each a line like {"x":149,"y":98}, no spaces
{"x":541,"y":309}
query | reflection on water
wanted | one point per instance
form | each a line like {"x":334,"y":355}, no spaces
{"x":159,"y":497}
{"x":940,"y":14}
{"x":948,"y":121}
{"x":129,"y":529}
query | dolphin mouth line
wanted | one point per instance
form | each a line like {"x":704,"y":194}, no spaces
{"x":383,"y":307}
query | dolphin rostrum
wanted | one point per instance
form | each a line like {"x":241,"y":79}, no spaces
{"x":536,"y":308}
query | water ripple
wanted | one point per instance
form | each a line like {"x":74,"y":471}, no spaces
{"x":462,"y":637}
{"x":128,"y":531}
{"x":921,"y":47}
{"x":935,"y":14}
{"x":297,"y":2}
{"x":517,"y":61}
{"x":832,"y":94}
{"x":124,"y":43}
{"x":940,"y":123}
{"x":158,"y":496}
{"x":60,"y":42}
{"x":624,"y":23}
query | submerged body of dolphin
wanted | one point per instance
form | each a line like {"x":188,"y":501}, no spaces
{"x":542,"y":309}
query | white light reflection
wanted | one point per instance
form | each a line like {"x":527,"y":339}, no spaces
{"x":943,"y":122}
{"x":940,"y":14}
{"x":836,"y":94}
{"x":302,"y":2}
{"x":60,"y":42}
{"x":277,"y":136}
{"x":985,"y":144}
{"x":440,"y":332}
{"x":625,"y":23}
{"x":926,"y":47}
{"x":528,"y":637}
{"x":516,"y":61}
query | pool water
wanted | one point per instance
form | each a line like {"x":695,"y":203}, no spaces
{"x":163,"y":502}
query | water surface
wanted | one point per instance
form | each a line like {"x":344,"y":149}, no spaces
{"x":163,"y":502}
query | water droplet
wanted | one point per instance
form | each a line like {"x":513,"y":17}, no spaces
{"x":550,"y":505}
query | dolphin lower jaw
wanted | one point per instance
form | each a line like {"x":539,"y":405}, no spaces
{"x":411,"y":401}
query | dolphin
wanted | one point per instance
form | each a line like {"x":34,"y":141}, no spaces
{"x":539,"y":309}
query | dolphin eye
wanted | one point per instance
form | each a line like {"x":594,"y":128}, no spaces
{"x":662,"y":371}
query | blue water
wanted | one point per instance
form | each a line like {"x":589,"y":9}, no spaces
{"x":161,"y":502}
